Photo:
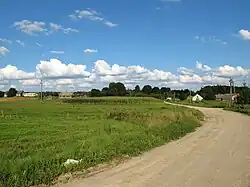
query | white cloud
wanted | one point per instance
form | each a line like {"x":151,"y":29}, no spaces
{"x":57,"y":52}
{"x":35,"y":27}
{"x":92,"y":15}
{"x":185,"y":71}
{"x":56,"y":27}
{"x":5,"y":40}
{"x":229,"y":71}
{"x":59,"y":76}
{"x":90,"y":51}
{"x":203,"y":67}
{"x":30,"y":82}
{"x":244,"y":34}
{"x":210,"y":39}
{"x":12,"y":73}
{"x":38,"y":44}
{"x":110,"y":24}
{"x":56,"y":69}
{"x":20,"y":42}
{"x":3,"y":50}
{"x":30,"y":27}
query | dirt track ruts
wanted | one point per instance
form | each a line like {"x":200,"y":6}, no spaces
{"x":216,"y":155}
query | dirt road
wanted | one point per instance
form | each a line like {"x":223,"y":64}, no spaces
{"x":216,"y":155}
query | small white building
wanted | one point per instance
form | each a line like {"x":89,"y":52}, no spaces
{"x":197,"y":97}
{"x":30,"y":94}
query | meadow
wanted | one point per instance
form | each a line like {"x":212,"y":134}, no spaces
{"x":36,"y":138}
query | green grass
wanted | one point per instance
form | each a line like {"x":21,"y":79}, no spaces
{"x":37,"y":138}
{"x":241,"y":109}
{"x":205,"y":103}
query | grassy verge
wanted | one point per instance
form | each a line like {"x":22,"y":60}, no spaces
{"x":204,"y":103}
{"x":37,"y":138}
{"x":242,"y":109}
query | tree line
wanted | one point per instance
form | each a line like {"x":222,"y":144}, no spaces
{"x":119,"y":89}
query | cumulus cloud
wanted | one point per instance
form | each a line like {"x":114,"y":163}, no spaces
{"x":229,"y":71}
{"x":3,"y":50}
{"x":57,"y":52}
{"x":90,"y":51}
{"x":13,"y":73}
{"x":203,"y":67}
{"x":244,"y":34}
{"x":60,"y":76}
{"x":20,"y":42}
{"x":5,"y":40}
{"x":92,"y":15}
{"x":185,"y":71}
{"x":56,"y":69}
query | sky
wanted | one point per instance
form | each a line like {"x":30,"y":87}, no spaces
{"x":87,"y":44}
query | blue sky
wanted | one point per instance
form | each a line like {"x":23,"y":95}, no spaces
{"x":154,"y":34}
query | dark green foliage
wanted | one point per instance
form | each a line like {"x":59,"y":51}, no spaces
{"x":147,"y":89}
{"x":12,"y":92}
{"x":95,"y":93}
{"x":156,"y":90}
{"x":183,"y":96}
{"x":1,"y":94}
{"x":137,"y":89}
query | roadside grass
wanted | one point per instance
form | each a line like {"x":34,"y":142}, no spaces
{"x":204,"y":103}
{"x":244,"y":109}
{"x":37,"y":138}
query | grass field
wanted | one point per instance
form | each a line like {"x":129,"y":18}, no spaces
{"x":205,"y":103}
{"x":37,"y":138}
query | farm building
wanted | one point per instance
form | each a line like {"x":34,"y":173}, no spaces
{"x":65,"y":95}
{"x":226,"y":97}
{"x":197,"y":97}
{"x":30,"y":94}
{"x":19,"y":93}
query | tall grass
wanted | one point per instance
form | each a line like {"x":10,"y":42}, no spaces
{"x":37,"y":138}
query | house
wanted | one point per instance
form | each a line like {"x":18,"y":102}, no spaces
{"x":65,"y":95}
{"x":19,"y":94}
{"x":6,"y":94}
{"x":169,"y":99}
{"x":30,"y":94}
{"x":196,"y":98}
{"x":226,"y":97}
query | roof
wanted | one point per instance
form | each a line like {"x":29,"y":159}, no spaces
{"x":224,"y":96}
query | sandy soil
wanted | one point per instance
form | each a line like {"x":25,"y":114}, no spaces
{"x":216,"y":155}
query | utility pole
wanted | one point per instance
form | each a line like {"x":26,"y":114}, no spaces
{"x":231,"y":91}
{"x":190,"y":94}
{"x":41,"y":94}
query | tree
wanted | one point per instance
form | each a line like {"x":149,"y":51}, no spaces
{"x":147,"y":89}
{"x":165,"y":90}
{"x":183,"y":96}
{"x":156,"y":90}
{"x":105,"y":91}
{"x":117,"y":89}
{"x":12,"y":92}
{"x":1,"y":94}
{"x":95,"y":93}
{"x":137,"y":89}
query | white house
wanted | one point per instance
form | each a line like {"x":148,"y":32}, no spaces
{"x":30,"y":94}
{"x":197,"y":97}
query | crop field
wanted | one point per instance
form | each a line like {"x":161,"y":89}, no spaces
{"x":36,"y":138}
